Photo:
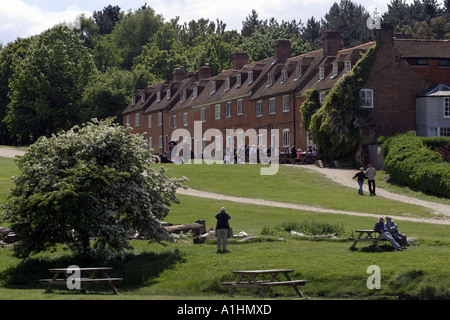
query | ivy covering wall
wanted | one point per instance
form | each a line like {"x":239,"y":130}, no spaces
{"x":336,"y":126}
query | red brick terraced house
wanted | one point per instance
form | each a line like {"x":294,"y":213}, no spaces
{"x":267,"y":94}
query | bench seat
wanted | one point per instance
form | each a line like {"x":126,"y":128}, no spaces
{"x":82,"y":280}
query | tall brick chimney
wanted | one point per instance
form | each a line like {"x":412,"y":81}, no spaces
{"x":240,"y":59}
{"x":204,"y":72}
{"x":282,"y":49}
{"x":331,"y":43}
{"x":179,"y":74}
{"x":386,"y":34}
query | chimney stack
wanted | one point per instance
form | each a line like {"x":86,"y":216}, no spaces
{"x":179,"y":74}
{"x":331,"y":43}
{"x":386,"y":34}
{"x":282,"y":49}
{"x":240,"y":59}
{"x":204,"y":72}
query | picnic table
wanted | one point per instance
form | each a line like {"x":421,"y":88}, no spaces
{"x":262,"y":285}
{"x":86,"y":281}
{"x":368,"y":238}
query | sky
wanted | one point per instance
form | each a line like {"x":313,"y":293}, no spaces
{"x":24,"y":18}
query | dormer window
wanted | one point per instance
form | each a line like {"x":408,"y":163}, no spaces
{"x":158,"y":96}
{"x":347,"y":66}
{"x":285,"y":76}
{"x":321,"y":73}
{"x":227,"y":84}
{"x":238,"y":80}
{"x":143,"y":98}
{"x":195,"y":93}
{"x":250,"y":77}
{"x":213,"y":87}
{"x":169,"y":94}
{"x":270,"y":79}
{"x":335,"y":70}
{"x":133,"y":101}
{"x":298,"y":72}
{"x":183,"y":96}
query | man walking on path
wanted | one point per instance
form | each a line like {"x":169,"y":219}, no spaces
{"x":371,"y":172}
{"x":361,"y":176}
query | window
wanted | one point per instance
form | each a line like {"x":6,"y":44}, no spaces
{"x":445,"y":132}
{"x":446,"y":107}
{"x":250,"y":77}
{"x":149,"y":120}
{"x":228,"y":109}
{"x":286,"y":138}
{"x":347,"y":66}
{"x":322,"y":97}
{"x":366,"y":96}
{"x":183,"y":96}
{"x":433,"y":132}
{"x":128,"y":121}
{"x":150,"y":142}
{"x":137,"y":120}
{"x":173,"y":122}
{"x":143,"y":98}
{"x":133,"y":101}
{"x":160,"y":142}
{"x":203,"y":114}
{"x":195,"y":95}
{"x":298,"y":73}
{"x":158,"y":96}
{"x":227,"y":84}
{"x":238,"y":80}
{"x":321,"y":73}
{"x":286,"y":103}
{"x":240,"y":108}
{"x":259,"y":109}
{"x":169,"y":94}
{"x":272,"y":106}
{"x":160,"y":119}
{"x":335,"y":70}
{"x":185,"y":119}
{"x":217,"y":112}
{"x":285,"y":76}
{"x":444,"y":62}
{"x":213,"y":87}
{"x":270,"y":79}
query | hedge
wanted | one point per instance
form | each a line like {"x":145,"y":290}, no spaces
{"x":411,"y":163}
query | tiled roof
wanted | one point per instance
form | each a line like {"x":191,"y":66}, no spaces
{"x":413,"y":48}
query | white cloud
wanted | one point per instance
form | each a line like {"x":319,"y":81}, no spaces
{"x":18,"y":19}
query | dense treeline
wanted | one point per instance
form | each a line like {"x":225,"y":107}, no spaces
{"x":68,"y":75}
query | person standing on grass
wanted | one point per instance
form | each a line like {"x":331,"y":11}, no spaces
{"x":361,"y":176}
{"x":371,"y":172}
{"x":222,"y":228}
{"x":381,"y":228}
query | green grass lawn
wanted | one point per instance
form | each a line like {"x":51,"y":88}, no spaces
{"x":183,"y":270}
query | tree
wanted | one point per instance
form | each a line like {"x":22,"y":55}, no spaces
{"x":107,"y":18}
{"x":46,"y":87}
{"x":90,"y":189}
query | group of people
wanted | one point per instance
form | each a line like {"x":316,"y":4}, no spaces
{"x":369,"y":174}
{"x":389,"y":231}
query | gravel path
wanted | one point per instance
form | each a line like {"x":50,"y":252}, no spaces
{"x":341,"y":176}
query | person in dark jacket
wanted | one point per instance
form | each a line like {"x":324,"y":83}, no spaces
{"x":222,"y":228}
{"x":361,"y":176}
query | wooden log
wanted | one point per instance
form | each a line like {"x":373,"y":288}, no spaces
{"x":205,"y":236}
{"x":195,"y":228}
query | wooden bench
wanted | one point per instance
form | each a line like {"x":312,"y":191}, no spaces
{"x":84,"y":282}
{"x":367,"y":238}
{"x":264,"y":286}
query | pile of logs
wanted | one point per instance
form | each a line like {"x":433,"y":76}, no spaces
{"x":7,"y":236}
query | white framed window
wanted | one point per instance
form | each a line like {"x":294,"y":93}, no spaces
{"x":203,"y":114}
{"x":238,"y":80}
{"x":149,"y":121}
{"x":298,"y":73}
{"x":160,"y":142}
{"x":272,"y":106}
{"x":366,"y":96}
{"x":150,"y":142}
{"x":183,"y":96}
{"x":128,"y":121}
{"x":185,"y":119}
{"x":195,"y":93}
{"x":168,"y":94}
{"x":143,"y":98}
{"x":285,"y":76}
{"x":347,"y":66}
{"x":322,"y":97}
{"x":321,"y":73}
{"x":160,"y":119}
{"x":286,"y":103}
{"x":259,"y":109}
{"x":133,"y":100}
{"x":433,"y":132}
{"x":137,"y":120}
{"x":158,"y":96}
{"x":173,"y":122}
{"x":240,"y":107}
{"x":228,"y":109}
{"x":444,"y":132}
{"x":227,"y":84}
{"x":286,"y":138}
{"x":250,"y":77}
{"x":447,"y":107}
{"x":335,"y":70}
{"x":270,"y":79}
{"x":217,"y":112}
{"x":213,"y":87}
